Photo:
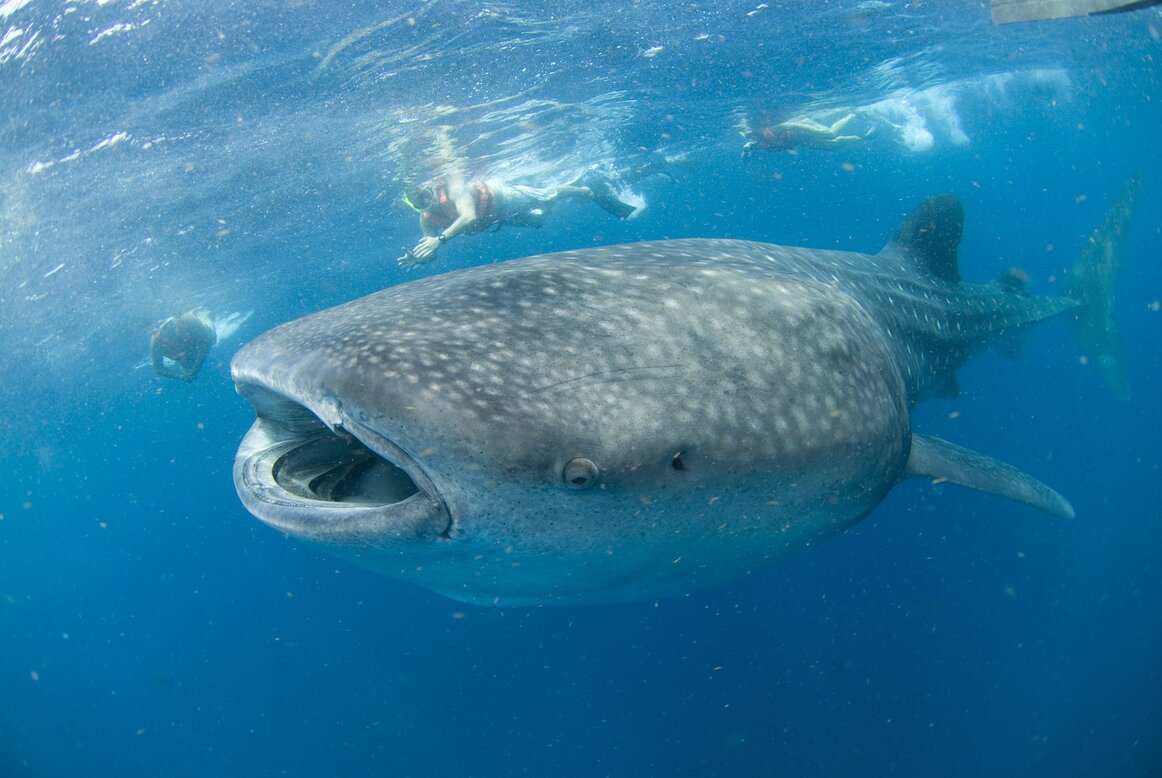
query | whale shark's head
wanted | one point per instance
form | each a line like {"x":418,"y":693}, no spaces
{"x":598,"y":425}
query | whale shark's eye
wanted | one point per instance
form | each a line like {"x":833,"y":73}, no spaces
{"x":579,"y":473}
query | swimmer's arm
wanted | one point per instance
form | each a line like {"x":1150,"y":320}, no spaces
{"x":465,"y":212}
{"x":425,"y":250}
{"x":155,"y":355}
{"x":160,"y":367}
{"x":190,"y":371}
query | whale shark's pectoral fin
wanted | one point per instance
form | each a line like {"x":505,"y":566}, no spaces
{"x":943,"y":461}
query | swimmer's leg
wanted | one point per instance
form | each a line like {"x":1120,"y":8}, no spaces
{"x":600,"y":190}
{"x":839,"y":125}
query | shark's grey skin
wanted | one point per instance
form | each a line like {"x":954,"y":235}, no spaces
{"x":624,"y":422}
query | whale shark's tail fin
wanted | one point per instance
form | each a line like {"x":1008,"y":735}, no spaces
{"x":1092,"y":282}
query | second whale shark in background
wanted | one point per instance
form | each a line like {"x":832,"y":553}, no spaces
{"x":640,"y":420}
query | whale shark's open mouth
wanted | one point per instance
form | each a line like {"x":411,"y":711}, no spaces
{"x":333,"y":468}
{"x":331,"y":483}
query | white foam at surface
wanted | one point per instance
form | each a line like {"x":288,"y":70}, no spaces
{"x":11,"y":7}
{"x":229,"y":324}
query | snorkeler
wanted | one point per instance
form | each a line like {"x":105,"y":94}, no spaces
{"x":452,"y":207}
{"x":179,"y":345}
{"x":803,"y":132}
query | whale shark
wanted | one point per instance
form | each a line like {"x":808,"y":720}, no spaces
{"x":641,"y":420}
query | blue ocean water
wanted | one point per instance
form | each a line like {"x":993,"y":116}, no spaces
{"x":250,"y":157}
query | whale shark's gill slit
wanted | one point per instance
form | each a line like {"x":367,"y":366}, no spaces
{"x":327,"y":467}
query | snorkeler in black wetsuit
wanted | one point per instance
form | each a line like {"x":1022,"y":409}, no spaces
{"x":179,"y":345}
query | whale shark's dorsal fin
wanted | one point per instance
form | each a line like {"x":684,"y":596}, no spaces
{"x":943,"y":461}
{"x":930,"y":235}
